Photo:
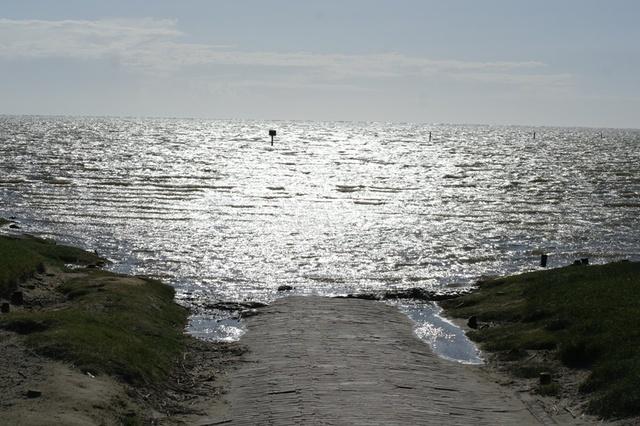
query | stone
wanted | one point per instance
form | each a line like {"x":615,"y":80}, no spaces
{"x":473,"y":322}
{"x":248,"y":313}
{"x":33,"y":393}
{"x":584,"y":261}
{"x":14,"y":226}
{"x":363,"y":296}
{"x":17,"y":298}
{"x":234,"y":306}
{"x":5,"y":307}
{"x":285,"y":288}
{"x":421,"y":294}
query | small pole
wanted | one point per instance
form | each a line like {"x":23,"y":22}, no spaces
{"x":429,"y":136}
{"x":272,"y":133}
{"x":545,"y":378}
{"x":534,"y":135}
{"x":543,"y":260}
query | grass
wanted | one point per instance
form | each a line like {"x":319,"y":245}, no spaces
{"x":20,"y":258}
{"x":126,"y":327}
{"x":587,"y":315}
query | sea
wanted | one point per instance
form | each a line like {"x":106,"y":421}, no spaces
{"x":331,"y":208}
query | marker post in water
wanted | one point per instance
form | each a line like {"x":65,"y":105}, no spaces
{"x":543,"y":260}
{"x":272,"y":133}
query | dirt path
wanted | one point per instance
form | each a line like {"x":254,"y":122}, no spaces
{"x":314,"y":360}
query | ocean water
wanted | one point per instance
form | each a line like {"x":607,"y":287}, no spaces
{"x":332,"y":208}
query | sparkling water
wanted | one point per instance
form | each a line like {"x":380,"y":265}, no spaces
{"x":331,"y":208}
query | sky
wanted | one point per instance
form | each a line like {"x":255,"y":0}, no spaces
{"x":543,"y":62}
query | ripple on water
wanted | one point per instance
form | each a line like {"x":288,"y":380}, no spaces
{"x":362,"y":206}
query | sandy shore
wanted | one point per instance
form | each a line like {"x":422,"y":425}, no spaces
{"x":313,"y":360}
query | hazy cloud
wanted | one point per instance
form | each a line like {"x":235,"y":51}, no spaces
{"x":156,"y":46}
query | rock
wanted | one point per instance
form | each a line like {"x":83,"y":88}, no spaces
{"x":234,"y":306}
{"x":248,"y":313}
{"x":363,"y":296}
{"x":411,"y":293}
{"x":25,"y":326}
{"x":577,"y":262}
{"x":584,"y":261}
{"x":14,"y":226}
{"x":416,"y":293}
{"x":33,"y":393}
{"x":253,"y":305}
{"x":17,"y":298}
{"x":473,"y":322}
{"x":5,"y":307}
{"x":545,"y":378}
{"x":285,"y":288}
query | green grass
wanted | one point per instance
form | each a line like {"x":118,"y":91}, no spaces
{"x":20,"y":258}
{"x":122,"y":326}
{"x":127,"y":328}
{"x":587,"y":314}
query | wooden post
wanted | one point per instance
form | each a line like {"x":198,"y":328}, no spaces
{"x":272,"y":133}
{"x":543,"y":260}
{"x":545,"y":378}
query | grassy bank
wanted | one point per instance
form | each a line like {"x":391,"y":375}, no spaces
{"x":21,"y":258}
{"x":586,"y":315}
{"x":126,"y":327}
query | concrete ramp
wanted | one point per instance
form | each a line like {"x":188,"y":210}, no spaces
{"x":324,"y":361}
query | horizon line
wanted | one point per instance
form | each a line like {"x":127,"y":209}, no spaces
{"x":422,"y":123}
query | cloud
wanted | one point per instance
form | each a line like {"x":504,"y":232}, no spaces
{"x":157,"y":46}
{"x":81,"y":39}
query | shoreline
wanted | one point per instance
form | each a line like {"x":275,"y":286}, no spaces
{"x":563,"y":336}
{"x":82,"y":346}
{"x":197,"y":376}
